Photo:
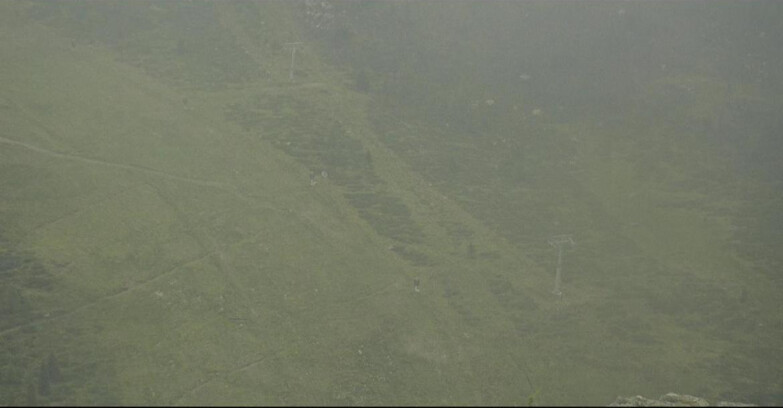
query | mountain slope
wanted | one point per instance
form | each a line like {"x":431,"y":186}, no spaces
{"x":180,"y":259}
{"x":182,"y":224}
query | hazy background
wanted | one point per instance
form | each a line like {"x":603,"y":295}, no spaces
{"x":181,"y":222}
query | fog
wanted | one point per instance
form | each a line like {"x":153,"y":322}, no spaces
{"x":390,"y":202}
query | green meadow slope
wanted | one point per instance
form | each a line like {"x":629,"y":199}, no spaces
{"x":164,"y":243}
{"x":181,"y":224}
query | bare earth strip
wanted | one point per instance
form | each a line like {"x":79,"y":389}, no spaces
{"x":206,"y":183}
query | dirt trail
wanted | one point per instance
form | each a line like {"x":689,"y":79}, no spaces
{"x":206,"y":183}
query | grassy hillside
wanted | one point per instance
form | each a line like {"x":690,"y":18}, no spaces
{"x":182,"y":224}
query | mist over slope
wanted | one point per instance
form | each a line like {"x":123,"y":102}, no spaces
{"x":183,"y":223}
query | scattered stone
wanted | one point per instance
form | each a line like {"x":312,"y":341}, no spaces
{"x":686,"y":400}
{"x":672,"y":400}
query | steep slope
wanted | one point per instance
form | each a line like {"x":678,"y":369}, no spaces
{"x":182,"y":224}
{"x":156,"y":252}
